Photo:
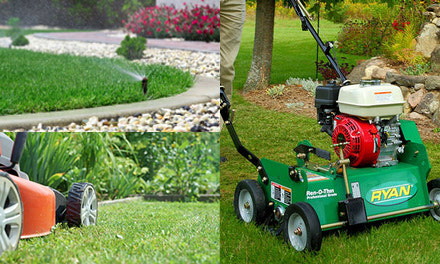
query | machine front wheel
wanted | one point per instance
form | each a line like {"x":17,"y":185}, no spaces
{"x":11,"y":214}
{"x":82,"y":205}
{"x":250,"y":202}
{"x":302,"y":229}
{"x":434,"y":196}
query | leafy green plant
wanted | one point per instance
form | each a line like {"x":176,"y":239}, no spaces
{"x":401,"y":47}
{"x":20,"y":41}
{"x":189,"y":164}
{"x":306,"y":84}
{"x":132,"y":48}
{"x":276,"y":91}
{"x":417,"y":69}
{"x":47,"y":158}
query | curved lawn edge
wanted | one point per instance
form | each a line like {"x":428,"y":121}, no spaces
{"x":202,"y":91}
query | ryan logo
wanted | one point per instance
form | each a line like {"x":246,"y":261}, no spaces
{"x":391,"y":195}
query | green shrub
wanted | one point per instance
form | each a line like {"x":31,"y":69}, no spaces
{"x":132,"y":48}
{"x":364,"y":37}
{"x":20,"y":41}
{"x":276,"y":91}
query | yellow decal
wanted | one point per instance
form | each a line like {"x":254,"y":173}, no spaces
{"x":390,"y":193}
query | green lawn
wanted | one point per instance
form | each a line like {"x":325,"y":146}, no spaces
{"x":40,"y":82}
{"x":134,"y":232}
{"x":273,"y":135}
{"x":294,"y":50}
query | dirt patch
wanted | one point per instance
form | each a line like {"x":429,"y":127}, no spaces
{"x":297,"y":100}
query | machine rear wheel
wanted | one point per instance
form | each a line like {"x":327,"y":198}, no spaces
{"x":11,"y":214}
{"x":250,"y":202}
{"x":302,"y":229}
{"x":82,"y":205}
{"x":434,"y":196}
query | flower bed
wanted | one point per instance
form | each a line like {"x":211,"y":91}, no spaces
{"x":191,"y":23}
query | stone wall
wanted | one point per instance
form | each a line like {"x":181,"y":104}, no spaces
{"x":421,"y":93}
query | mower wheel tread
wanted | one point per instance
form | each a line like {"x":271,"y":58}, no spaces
{"x":258,"y":200}
{"x":311,"y":220}
{"x":74,"y":199}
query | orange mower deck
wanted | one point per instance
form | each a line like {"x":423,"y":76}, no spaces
{"x":38,"y":208}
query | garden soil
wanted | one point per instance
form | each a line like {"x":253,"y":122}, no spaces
{"x":305,"y":105}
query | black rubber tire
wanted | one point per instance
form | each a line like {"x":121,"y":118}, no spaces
{"x":6,"y":175}
{"x":258,"y":200}
{"x":74,"y":200}
{"x":311,"y":220}
{"x":434,"y":184}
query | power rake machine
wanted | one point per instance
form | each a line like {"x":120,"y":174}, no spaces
{"x":381,"y":171}
{"x":29,"y":209}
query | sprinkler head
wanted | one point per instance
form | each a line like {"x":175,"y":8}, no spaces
{"x":145,"y":85}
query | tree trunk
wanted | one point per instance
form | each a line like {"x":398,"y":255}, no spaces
{"x":259,"y":74}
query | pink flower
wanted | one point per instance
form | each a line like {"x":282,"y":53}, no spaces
{"x":158,"y":29}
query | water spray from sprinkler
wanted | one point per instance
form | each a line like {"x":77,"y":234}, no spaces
{"x":145,"y":85}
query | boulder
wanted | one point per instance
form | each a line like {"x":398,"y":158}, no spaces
{"x":433,"y":106}
{"x":390,"y":77}
{"x":409,"y":80}
{"x":418,"y":86}
{"x":415,"y":98}
{"x":381,"y":73}
{"x":369,"y":71}
{"x":435,"y":59}
{"x":359,"y":72}
{"x":429,"y":15}
{"x":435,"y":8}
{"x":432,"y":82}
{"x":414,"y":115}
{"x":424,"y":106}
{"x":427,"y":40}
{"x":436,"y":21}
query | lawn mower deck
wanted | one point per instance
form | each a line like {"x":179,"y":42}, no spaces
{"x":29,"y":209}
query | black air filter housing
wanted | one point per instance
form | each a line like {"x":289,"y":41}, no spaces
{"x":327,"y":95}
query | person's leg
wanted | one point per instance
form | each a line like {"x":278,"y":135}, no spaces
{"x":232,"y":15}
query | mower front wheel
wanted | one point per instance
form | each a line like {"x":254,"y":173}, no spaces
{"x":302,"y":229}
{"x":82,"y":205}
{"x":11,"y":214}
{"x":250,"y":202}
{"x":434,"y":196}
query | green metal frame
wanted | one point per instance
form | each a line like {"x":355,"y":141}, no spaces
{"x":388,"y":191}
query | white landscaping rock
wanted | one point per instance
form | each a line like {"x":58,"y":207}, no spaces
{"x":427,"y":39}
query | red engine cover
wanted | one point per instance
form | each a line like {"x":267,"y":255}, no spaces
{"x":363,"y":138}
